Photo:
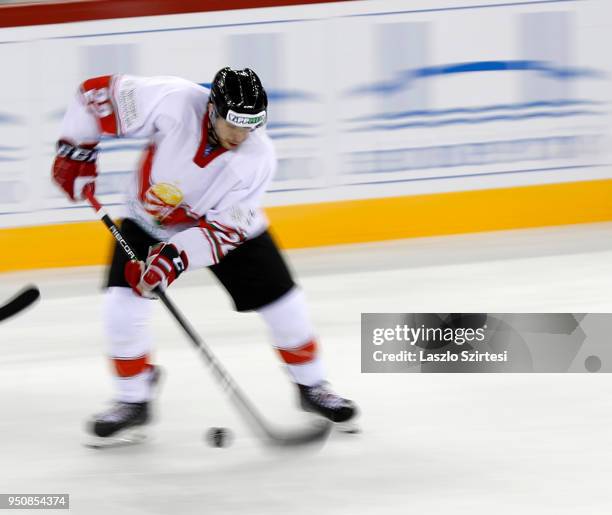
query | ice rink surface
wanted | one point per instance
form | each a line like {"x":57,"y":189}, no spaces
{"x":431,"y":443}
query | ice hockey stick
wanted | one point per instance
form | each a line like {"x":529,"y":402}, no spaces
{"x":318,"y":432}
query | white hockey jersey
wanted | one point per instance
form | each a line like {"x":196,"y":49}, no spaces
{"x":204,"y":202}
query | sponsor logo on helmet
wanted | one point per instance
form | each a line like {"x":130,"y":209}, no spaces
{"x":246,"y":120}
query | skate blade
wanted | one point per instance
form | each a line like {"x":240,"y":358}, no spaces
{"x":348,"y":427}
{"x":124,"y":438}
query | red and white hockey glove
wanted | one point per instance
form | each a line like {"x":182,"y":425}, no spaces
{"x":164,"y":264}
{"x":75,"y":167}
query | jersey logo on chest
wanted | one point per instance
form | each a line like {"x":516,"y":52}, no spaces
{"x":164,"y":202}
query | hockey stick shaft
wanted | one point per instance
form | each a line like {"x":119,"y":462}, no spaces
{"x":245,"y":407}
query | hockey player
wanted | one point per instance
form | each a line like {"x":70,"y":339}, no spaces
{"x":195,"y":201}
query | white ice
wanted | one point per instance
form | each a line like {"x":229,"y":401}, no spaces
{"x":431,"y":443}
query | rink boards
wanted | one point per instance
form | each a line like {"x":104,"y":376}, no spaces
{"x":86,"y":243}
{"x":390,"y":120}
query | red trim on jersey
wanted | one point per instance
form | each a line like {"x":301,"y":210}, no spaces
{"x":145,"y":172}
{"x":207,"y":235}
{"x":180,"y":216}
{"x":224,"y":234}
{"x":299,"y":355}
{"x":200,"y":159}
{"x":82,"y":10}
{"x":101,"y":102}
{"x":215,"y":244}
{"x":129,"y":367}
{"x":103,"y":81}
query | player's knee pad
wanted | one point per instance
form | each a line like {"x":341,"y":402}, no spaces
{"x":127,"y":319}
{"x":288,"y":321}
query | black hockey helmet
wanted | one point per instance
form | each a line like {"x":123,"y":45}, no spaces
{"x":239,"y":97}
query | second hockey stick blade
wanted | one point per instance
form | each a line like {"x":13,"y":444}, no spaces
{"x":19,"y":302}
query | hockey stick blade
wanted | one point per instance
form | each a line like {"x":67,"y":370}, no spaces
{"x":317,"y":433}
{"x":19,"y":302}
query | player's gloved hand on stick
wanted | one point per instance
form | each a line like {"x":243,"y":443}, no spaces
{"x":75,"y":167}
{"x":164,"y":264}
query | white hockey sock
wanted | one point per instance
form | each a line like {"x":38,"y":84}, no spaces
{"x":127,"y":320}
{"x":293,"y":337}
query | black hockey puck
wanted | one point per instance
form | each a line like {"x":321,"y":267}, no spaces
{"x":218,"y":437}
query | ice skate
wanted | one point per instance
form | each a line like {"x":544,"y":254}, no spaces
{"x":125,"y":423}
{"x":322,"y":400}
